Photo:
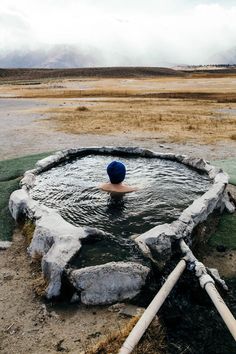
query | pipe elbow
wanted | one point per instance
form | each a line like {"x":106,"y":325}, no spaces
{"x":205,"y":279}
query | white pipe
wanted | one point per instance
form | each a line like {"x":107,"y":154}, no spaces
{"x":208,"y":284}
{"x":150,"y":312}
{"x":222,"y":308}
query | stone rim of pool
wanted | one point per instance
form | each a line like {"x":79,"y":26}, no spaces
{"x":56,"y":241}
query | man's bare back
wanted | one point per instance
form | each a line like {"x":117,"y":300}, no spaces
{"x":117,"y":188}
{"x":116,"y":172}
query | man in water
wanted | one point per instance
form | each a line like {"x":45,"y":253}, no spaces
{"x":116,"y":172}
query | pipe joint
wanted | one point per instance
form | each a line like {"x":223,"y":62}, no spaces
{"x":200,"y":269}
{"x":205,"y":279}
{"x":189,"y":263}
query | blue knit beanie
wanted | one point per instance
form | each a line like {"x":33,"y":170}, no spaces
{"x":116,"y":172}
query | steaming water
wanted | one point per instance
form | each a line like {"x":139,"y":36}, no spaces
{"x":165,"y":188}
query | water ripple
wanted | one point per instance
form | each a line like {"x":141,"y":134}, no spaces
{"x":165,"y":189}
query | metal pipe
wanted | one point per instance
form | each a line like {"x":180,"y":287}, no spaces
{"x":150,"y":312}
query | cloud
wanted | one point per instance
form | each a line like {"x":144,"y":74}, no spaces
{"x":131,"y":32}
{"x":14,"y":30}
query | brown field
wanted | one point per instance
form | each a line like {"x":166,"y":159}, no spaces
{"x":173,"y":120}
{"x":195,"y":107}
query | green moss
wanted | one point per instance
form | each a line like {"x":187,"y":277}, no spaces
{"x":11,"y":172}
{"x":226,"y":232}
{"x":229,"y":166}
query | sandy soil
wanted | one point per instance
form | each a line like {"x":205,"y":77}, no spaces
{"x":27,"y":325}
{"x":39,"y":124}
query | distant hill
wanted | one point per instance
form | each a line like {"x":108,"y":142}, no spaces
{"x":36,"y":74}
{"x":66,"y":61}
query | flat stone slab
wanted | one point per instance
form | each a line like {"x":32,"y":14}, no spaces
{"x":110,"y":282}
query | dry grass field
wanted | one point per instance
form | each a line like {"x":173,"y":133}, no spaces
{"x":199,"y":108}
{"x":173,"y":120}
{"x":174,"y":109}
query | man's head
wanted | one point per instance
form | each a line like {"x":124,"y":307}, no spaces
{"x":116,"y":172}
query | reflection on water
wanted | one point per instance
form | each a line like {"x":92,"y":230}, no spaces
{"x":108,"y":249}
{"x":165,"y":188}
{"x":115,"y":205}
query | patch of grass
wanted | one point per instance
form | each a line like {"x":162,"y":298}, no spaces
{"x":226,"y":232}
{"x":233,"y":137}
{"x":6,"y":221}
{"x":82,"y":109}
{"x":11,"y":172}
{"x":40,"y":284}
{"x":152,"y":342}
{"x":28,"y":231}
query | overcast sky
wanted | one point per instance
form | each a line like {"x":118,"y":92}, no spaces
{"x":123,"y":32}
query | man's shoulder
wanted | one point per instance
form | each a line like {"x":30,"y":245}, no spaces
{"x":105,"y":187}
{"x":108,"y":187}
{"x":128,"y":189}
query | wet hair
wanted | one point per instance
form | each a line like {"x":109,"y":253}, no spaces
{"x":116,"y":172}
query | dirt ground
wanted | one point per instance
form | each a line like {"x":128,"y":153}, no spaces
{"x":48,"y":117}
{"x":28,"y":325}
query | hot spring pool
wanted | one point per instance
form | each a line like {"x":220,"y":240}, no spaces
{"x":165,"y":189}
{"x":68,"y":181}
{"x":90,"y":230}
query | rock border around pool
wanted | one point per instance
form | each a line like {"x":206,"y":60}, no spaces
{"x":56,"y":241}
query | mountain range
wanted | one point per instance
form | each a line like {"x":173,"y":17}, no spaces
{"x":68,"y":56}
{"x":60,"y":56}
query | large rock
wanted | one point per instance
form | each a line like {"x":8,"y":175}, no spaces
{"x":50,"y":161}
{"x":52,"y":228}
{"x":20,"y":204}
{"x":158,"y":240}
{"x":110,"y":282}
{"x":28,"y":180}
{"x":57,"y":241}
